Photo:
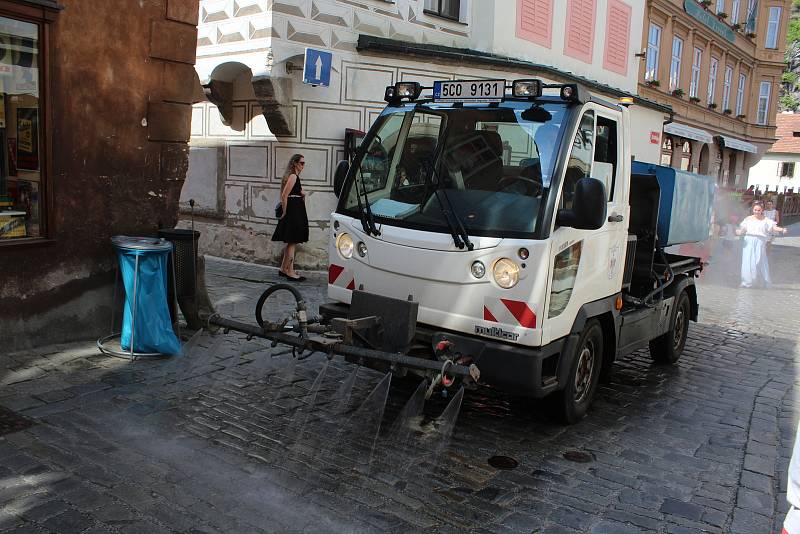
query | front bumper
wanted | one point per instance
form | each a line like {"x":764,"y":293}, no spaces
{"x":518,"y":370}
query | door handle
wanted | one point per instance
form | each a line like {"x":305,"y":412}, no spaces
{"x":614,"y":217}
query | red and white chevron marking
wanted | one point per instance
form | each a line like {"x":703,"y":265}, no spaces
{"x":341,"y":277}
{"x":506,"y":311}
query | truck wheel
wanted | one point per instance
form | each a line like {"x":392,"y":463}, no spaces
{"x":667,"y":348}
{"x":574,"y":400}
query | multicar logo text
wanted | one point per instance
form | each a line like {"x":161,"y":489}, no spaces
{"x":496,"y":332}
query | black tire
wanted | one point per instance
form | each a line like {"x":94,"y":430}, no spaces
{"x":667,"y":348}
{"x":572,"y":402}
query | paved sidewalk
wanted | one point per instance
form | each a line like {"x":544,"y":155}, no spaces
{"x":241,"y":438}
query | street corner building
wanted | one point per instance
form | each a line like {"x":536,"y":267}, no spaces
{"x":95,"y":110}
{"x":309,"y":76}
{"x":718,"y":64}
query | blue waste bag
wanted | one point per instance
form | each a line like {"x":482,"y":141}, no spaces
{"x":153,"y":327}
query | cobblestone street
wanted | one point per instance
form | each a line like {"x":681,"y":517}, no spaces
{"x":239,"y":437}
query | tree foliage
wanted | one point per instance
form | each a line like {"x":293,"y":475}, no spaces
{"x":789,"y":103}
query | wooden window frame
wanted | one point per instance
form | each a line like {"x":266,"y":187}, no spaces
{"x":43,"y":13}
{"x":438,"y":12}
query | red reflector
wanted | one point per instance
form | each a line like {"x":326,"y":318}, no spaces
{"x":333,"y":273}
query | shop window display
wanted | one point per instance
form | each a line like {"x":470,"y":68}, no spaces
{"x":20,"y":131}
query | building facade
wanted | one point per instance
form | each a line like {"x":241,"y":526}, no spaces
{"x":95,"y":108}
{"x":258,"y":111}
{"x":779,"y":169}
{"x":718,"y":64}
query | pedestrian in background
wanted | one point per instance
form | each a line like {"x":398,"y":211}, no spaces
{"x":756,"y":229}
{"x":292,"y":218}
{"x":771,"y":213}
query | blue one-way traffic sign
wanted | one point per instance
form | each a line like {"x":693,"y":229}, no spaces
{"x":317,"y":67}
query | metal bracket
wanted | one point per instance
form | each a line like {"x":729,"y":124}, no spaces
{"x":347,"y":327}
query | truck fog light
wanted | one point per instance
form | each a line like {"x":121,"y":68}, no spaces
{"x":478,"y":269}
{"x":506,"y":273}
{"x":523,"y":253}
{"x":362,"y":249}
{"x":344,"y":243}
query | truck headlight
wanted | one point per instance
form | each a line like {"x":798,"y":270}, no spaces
{"x":506,"y":273}
{"x":344,"y":243}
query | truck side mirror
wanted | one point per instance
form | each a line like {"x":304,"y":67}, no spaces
{"x":339,"y":176}
{"x":588,"y":206}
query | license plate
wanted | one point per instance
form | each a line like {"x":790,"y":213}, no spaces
{"x":470,"y":91}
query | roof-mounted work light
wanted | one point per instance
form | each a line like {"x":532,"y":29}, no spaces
{"x":571,"y":93}
{"x":527,"y":88}
{"x":403,"y":91}
{"x":409,"y":90}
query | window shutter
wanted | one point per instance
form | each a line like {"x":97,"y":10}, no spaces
{"x":535,"y":21}
{"x":618,"y":29}
{"x":579,"y":40}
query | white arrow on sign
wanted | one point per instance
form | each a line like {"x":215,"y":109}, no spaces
{"x":318,"y":66}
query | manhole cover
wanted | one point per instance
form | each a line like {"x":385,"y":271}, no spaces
{"x":578,"y":456}
{"x":11,"y":422}
{"x":503,"y":462}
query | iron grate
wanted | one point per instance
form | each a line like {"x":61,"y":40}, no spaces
{"x":11,"y":422}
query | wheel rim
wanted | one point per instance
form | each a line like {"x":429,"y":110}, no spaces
{"x":680,"y":319}
{"x":583,"y":374}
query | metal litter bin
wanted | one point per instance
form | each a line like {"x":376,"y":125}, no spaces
{"x":183,"y":277}
{"x":146,"y":325}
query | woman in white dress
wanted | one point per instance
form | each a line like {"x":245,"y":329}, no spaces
{"x":756,"y":230}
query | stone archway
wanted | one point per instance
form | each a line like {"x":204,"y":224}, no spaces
{"x":732,"y":164}
{"x":704,"y":162}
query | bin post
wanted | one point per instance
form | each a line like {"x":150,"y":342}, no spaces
{"x":183,"y":288}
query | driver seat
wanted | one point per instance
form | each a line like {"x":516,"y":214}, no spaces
{"x":479,"y":156}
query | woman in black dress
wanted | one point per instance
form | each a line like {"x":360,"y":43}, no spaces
{"x":293,"y":223}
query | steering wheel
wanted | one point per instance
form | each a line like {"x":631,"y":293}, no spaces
{"x":533,"y":188}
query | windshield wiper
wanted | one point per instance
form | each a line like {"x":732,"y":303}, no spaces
{"x":364,"y":215}
{"x":457,"y":230}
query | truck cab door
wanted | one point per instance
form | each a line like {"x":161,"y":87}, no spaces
{"x":587,"y":265}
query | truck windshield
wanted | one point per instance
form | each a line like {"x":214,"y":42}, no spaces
{"x":494,"y":164}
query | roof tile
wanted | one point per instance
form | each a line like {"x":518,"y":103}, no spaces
{"x":788,"y":134}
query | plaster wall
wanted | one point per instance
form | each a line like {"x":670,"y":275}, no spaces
{"x":764,"y":174}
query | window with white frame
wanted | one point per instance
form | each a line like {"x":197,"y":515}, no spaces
{"x":712,"y":80}
{"x":675,"y":64}
{"x":752,"y":13}
{"x":697,"y":62}
{"x":763,"y":102}
{"x":773,"y":26}
{"x":720,"y":6}
{"x":449,"y":9}
{"x":726,"y":87}
{"x":653,"y":45}
{"x":740,"y":94}
{"x":735,"y":12}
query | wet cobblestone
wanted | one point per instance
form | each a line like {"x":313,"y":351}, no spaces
{"x":242,"y":440}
